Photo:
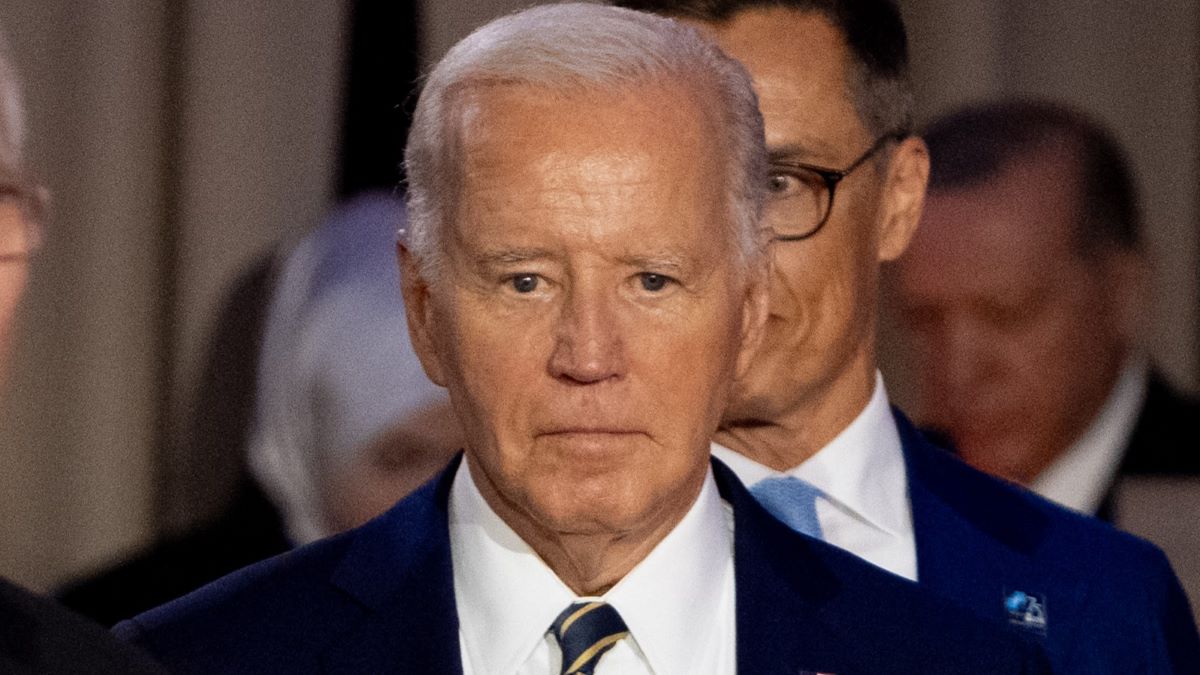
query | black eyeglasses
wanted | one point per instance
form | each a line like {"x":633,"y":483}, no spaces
{"x":802,"y":194}
{"x":20,"y":228}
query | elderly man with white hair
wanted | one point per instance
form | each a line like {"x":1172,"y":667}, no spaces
{"x":585,"y":273}
{"x":36,"y":635}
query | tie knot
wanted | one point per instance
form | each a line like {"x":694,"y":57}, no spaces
{"x":792,"y":501}
{"x":585,"y":631}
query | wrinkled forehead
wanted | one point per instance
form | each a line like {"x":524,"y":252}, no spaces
{"x":1032,"y":201}
{"x":556,"y":166}
{"x":1013,"y":231}
{"x":664,"y":102}
{"x":579,"y":137}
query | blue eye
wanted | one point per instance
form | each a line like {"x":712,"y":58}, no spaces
{"x":654,"y":282}
{"x":524,"y":283}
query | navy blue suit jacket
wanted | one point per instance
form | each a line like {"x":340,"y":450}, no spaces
{"x":1110,"y":601}
{"x":380,"y":599}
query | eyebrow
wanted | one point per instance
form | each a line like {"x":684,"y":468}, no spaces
{"x":666,"y":262}
{"x":509,"y":256}
{"x":669,"y":263}
{"x":795,"y":152}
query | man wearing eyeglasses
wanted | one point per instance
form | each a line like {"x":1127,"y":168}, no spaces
{"x":810,"y":429}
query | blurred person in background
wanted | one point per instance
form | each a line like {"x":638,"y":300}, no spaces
{"x":345,"y":422}
{"x":1023,"y":293}
{"x":36,"y":635}
{"x":810,"y":428}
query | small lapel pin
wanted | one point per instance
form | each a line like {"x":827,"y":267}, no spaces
{"x":1026,"y":610}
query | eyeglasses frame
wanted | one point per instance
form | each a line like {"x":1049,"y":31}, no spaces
{"x":832,"y":177}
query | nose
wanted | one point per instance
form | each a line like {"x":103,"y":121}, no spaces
{"x":963,"y":363}
{"x":588,"y":346}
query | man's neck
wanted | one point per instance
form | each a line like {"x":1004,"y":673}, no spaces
{"x":789,"y":439}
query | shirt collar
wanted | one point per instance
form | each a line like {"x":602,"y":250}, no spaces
{"x":675,"y":598}
{"x":508,"y":597}
{"x":857,"y":470}
{"x":1079,"y":479}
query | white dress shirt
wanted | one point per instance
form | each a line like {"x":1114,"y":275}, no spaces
{"x":1080,"y":477}
{"x":865,"y":507}
{"x":678,"y":602}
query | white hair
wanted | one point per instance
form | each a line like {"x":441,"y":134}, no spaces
{"x":581,"y":48}
{"x":12,"y":116}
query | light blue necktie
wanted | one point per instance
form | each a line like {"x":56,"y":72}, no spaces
{"x":792,"y":501}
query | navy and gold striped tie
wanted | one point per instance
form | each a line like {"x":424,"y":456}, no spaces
{"x":585,"y":631}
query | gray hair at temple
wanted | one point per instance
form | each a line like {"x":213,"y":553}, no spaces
{"x":12,"y":116}
{"x":974,"y":144}
{"x":581,"y":48}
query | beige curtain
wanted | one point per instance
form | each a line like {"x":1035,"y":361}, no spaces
{"x":179,"y":139}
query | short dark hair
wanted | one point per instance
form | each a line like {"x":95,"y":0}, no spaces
{"x":975,"y":143}
{"x":876,"y":41}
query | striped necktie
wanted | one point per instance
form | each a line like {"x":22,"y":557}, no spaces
{"x":792,"y":501}
{"x":585,"y":631}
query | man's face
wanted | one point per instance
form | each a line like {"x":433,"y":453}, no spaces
{"x":590,"y":314}
{"x":820,"y":330}
{"x":15,"y":229}
{"x":1017,"y":335}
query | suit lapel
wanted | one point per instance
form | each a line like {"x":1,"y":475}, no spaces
{"x":974,"y":555}
{"x":783,"y":588}
{"x":399,"y":571}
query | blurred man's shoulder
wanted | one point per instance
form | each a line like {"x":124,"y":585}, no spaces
{"x":39,"y":636}
{"x":1013,"y":514}
{"x":1104,"y":600}
{"x":286,"y":611}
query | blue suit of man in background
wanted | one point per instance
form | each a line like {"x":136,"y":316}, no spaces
{"x":848,"y":181}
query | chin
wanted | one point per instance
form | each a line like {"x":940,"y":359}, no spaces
{"x":1006,"y":458}
{"x":611,"y":504}
{"x":597,"y":518}
{"x":753,"y":406}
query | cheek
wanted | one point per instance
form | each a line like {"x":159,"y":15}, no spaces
{"x":1042,"y":363}
{"x":691,"y":367}
{"x":489,"y":361}
{"x":12,"y":285}
{"x":13,"y":277}
{"x":499,"y":384}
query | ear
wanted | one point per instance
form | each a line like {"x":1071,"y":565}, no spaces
{"x":904,"y":197}
{"x":418,"y":309}
{"x":755,"y":307}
